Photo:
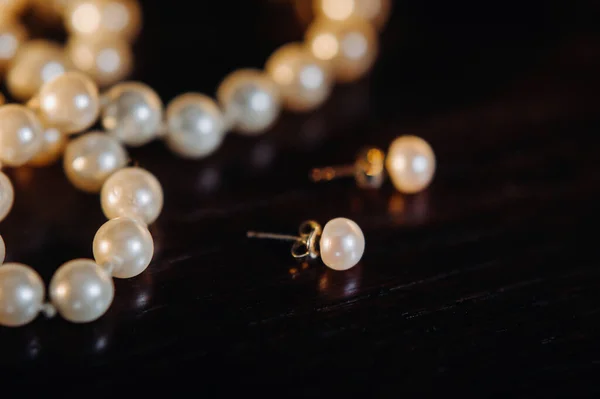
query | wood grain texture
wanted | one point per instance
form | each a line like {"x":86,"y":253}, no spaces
{"x":485,"y":285}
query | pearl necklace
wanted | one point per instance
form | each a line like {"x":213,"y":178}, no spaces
{"x":99,"y":42}
{"x":341,"y":45}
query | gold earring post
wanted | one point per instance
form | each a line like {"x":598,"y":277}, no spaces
{"x":332,"y":172}
{"x":305,"y":244}
{"x":271,"y":236}
{"x":368,"y":169}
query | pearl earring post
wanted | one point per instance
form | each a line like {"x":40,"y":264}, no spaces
{"x":305,"y":243}
{"x":340,"y":244}
{"x":368,"y":169}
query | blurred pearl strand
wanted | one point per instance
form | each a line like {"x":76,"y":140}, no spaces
{"x":341,"y":45}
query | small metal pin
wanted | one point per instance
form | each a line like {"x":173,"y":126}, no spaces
{"x":332,"y":172}
{"x":368,"y":170}
{"x":305,"y":243}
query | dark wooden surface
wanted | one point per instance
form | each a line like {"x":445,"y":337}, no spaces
{"x":484,"y":285}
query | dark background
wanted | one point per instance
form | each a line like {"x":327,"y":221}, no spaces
{"x":485,"y":285}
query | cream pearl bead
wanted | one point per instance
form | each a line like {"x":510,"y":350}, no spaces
{"x":125,"y":244}
{"x":20,"y":134}
{"x":69,"y":102}
{"x":376,"y":12}
{"x":195,"y":125}
{"x":36,"y":63}
{"x":132,"y":113}
{"x":81,"y":291}
{"x":7,"y":196}
{"x":103,"y":18}
{"x":49,"y":10}
{"x":12,"y":36}
{"x":90,"y":159}
{"x":410,"y":164}
{"x":342,"y":244}
{"x":351,"y":46}
{"x":12,"y":7}
{"x":134,"y":193}
{"x":2,"y":251}
{"x":250,"y":100}
{"x":53,"y":145}
{"x":21,"y":294}
{"x":106,"y":60}
{"x":304,"y":81}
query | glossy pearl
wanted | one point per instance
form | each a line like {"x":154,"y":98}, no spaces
{"x":53,"y":145}
{"x":36,"y":63}
{"x":90,"y":159}
{"x":21,"y":294}
{"x":81,"y":291}
{"x":342,"y":244}
{"x":134,"y":193}
{"x":126,"y":244}
{"x":7,"y":196}
{"x":12,"y":7}
{"x":195,"y":125}
{"x":49,"y":10}
{"x":2,"y":251}
{"x":250,"y":100}
{"x":69,"y":102}
{"x":304,"y":81}
{"x":132,"y":113}
{"x":350,"y":46}
{"x":103,"y":18}
{"x":376,"y":12}
{"x":410,"y":164}
{"x":20,"y":134}
{"x":106,"y":60}
{"x":12,"y":36}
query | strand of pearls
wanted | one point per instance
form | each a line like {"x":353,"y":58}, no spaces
{"x":100,"y":33}
{"x":81,"y":290}
{"x":339,"y":46}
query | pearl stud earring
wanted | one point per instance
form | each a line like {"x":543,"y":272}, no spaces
{"x":410,"y":163}
{"x":340,"y":243}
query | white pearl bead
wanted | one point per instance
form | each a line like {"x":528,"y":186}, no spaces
{"x":376,"y":12}
{"x":20,"y":134}
{"x":69,"y":102}
{"x":106,"y":60}
{"x":81,"y":291}
{"x":195,"y":125}
{"x":103,"y":18}
{"x":350,"y":46}
{"x":410,"y":164}
{"x":53,"y":145}
{"x":250,"y":100}
{"x":342,"y":244}
{"x":90,"y":159}
{"x":304,"y":81}
{"x":12,"y":36}
{"x":7,"y":196}
{"x":12,"y":7}
{"x":49,"y":11}
{"x":36,"y":63}
{"x":134,"y":193}
{"x":125,"y":244}
{"x":2,"y":251}
{"x":132,"y":113}
{"x":21,"y":294}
